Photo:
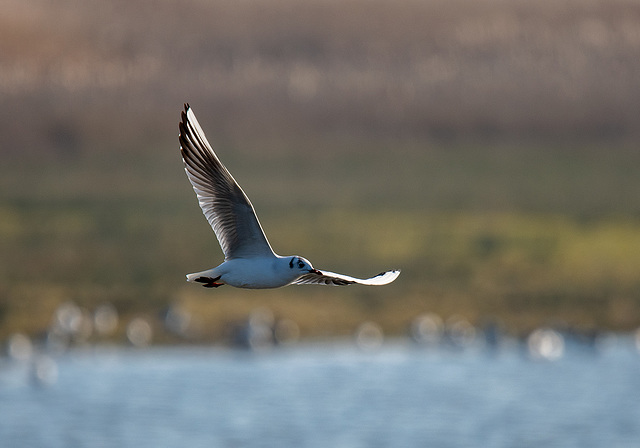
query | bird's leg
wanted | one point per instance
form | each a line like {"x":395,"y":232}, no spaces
{"x":209,"y":282}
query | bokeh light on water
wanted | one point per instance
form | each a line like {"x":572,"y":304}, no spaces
{"x":545,"y":343}
{"x":19,"y":347}
{"x":459,"y":332}
{"x":369,"y":336}
{"x":139,"y":332}
{"x":68,"y":318}
{"x":178,"y":321}
{"x":427,"y":329}
{"x":286,"y":332}
{"x":44,"y":370}
{"x":105,"y":319}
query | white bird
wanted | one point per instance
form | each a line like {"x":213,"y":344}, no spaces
{"x":249,"y":261}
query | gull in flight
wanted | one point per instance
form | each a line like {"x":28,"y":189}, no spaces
{"x":249,"y":261}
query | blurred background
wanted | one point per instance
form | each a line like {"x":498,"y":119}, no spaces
{"x":488,"y":148}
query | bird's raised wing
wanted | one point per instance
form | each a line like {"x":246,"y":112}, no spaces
{"x":224,"y":204}
{"x":331,"y":278}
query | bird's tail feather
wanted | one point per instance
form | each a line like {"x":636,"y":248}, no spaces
{"x":209,"y":273}
{"x":208,"y":278}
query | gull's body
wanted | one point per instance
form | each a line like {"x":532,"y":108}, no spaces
{"x":249,"y":261}
{"x":253,"y":273}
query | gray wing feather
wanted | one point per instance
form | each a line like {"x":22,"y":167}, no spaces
{"x":331,"y":278}
{"x":224,"y":204}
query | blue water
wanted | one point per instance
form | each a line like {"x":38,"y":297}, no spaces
{"x":330,"y":395}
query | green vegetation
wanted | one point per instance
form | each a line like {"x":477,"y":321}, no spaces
{"x":498,"y":254}
{"x":489,"y":149}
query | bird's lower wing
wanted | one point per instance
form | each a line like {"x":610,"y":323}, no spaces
{"x":331,"y":278}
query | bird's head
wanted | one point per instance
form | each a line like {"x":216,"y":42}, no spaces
{"x":302,"y":266}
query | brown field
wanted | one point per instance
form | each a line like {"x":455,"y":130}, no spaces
{"x":267,"y":69}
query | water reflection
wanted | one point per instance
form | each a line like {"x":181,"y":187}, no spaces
{"x":44,"y":370}
{"x":317,"y":395}
{"x":261,"y":330}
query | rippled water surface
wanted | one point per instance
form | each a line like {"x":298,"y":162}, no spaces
{"x":330,"y":395}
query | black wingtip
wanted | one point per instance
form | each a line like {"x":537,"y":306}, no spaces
{"x":390,"y":271}
{"x":183,"y":114}
{"x":184,"y":120}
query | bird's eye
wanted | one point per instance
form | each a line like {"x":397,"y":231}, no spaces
{"x":300,"y":265}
